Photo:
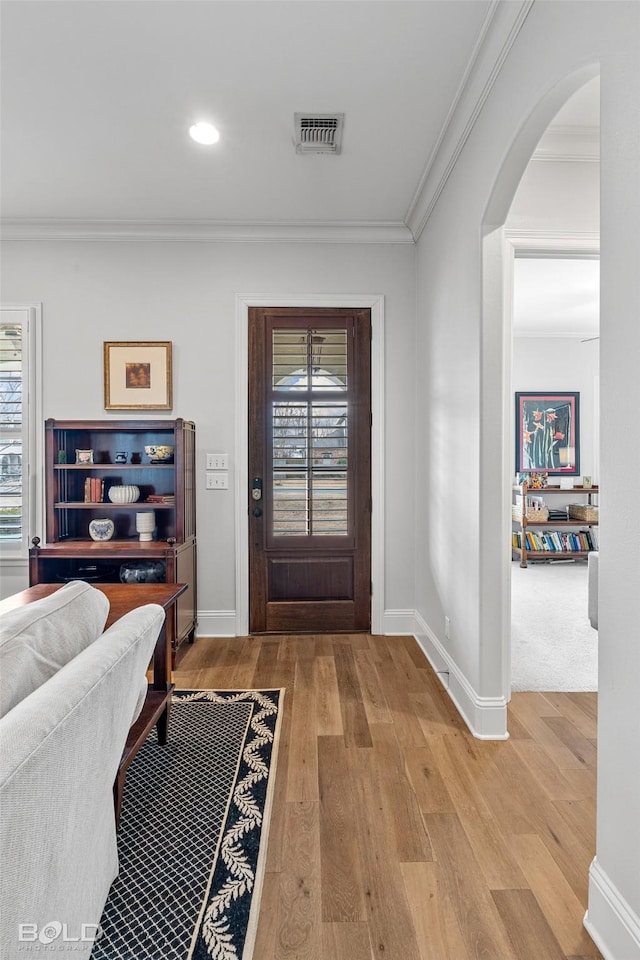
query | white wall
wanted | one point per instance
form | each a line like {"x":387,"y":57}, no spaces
{"x":458,"y":352}
{"x":557,"y":195}
{"x":185,"y":292}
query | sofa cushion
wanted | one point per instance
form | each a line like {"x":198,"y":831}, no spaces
{"x":38,"y":639}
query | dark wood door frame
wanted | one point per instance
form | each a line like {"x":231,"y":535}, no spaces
{"x":238,"y":620}
{"x":309,"y":547}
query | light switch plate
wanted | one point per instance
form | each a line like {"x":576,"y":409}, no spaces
{"x":217,"y":461}
{"x":217,"y":480}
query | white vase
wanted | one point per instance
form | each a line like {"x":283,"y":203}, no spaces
{"x":145,"y":524}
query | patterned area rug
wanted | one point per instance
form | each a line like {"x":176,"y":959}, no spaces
{"x":193,"y":832}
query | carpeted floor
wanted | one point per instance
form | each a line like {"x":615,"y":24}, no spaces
{"x":193,"y":832}
{"x":553,"y":645}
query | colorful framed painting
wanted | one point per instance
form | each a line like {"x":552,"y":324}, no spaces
{"x":548,"y":433}
{"x":137,"y":376}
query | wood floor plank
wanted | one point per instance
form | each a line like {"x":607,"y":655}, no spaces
{"x":482,"y":929}
{"x":373,"y":698}
{"x":530,"y":711}
{"x":551,"y":778}
{"x":437,"y":929}
{"x":416,"y":653}
{"x":401,"y":807}
{"x":345,"y":941}
{"x":390,"y":927}
{"x":529,"y":932}
{"x":407,"y":725}
{"x":341,"y":879}
{"x":354,"y":717}
{"x":302,"y":774}
{"x":561,"y":907}
{"x":328,"y":713}
{"x":434,"y":721}
{"x":299,"y":923}
{"x":242,"y":674}
{"x":582,"y":719}
{"x":581,"y":817}
{"x":579,"y":745}
{"x":427,"y":781}
{"x":488,"y":842}
{"x":409,"y":673}
{"x":587,"y":701}
{"x":504,"y":802}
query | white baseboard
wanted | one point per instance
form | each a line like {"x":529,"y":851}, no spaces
{"x":398,"y":622}
{"x":486,"y":717}
{"x":216,"y":623}
{"x":610,"y":922}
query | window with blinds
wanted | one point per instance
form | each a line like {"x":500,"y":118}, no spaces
{"x":310,"y":433}
{"x":11,"y":431}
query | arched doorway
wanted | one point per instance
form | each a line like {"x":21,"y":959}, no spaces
{"x":496,"y":467}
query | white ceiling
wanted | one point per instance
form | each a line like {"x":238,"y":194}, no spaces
{"x":97,"y":98}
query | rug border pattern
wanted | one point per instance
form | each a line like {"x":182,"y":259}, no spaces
{"x":235,"y":877}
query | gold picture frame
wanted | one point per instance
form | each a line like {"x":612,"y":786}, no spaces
{"x":138,"y":375}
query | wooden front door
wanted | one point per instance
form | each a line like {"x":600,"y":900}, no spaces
{"x":309,"y":470}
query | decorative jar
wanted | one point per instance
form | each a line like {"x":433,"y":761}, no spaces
{"x":101,"y":529}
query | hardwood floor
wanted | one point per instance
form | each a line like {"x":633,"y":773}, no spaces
{"x":394,"y":832}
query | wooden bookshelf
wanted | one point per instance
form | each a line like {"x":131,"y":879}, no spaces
{"x":167,"y":488}
{"x":546,"y":546}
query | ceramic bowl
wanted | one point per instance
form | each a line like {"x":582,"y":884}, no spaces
{"x":159,"y":452}
{"x":124,"y":493}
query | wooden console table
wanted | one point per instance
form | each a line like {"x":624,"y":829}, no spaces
{"x":122,"y":598}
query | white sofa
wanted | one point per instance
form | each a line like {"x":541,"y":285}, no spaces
{"x":69,"y":694}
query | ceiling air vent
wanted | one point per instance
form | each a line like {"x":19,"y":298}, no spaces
{"x":318,"y":132}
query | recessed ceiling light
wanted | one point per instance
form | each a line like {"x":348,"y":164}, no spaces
{"x":203,"y":132}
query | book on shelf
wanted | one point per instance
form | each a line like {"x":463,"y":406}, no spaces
{"x":93,"y":490}
{"x":161,"y":498}
{"x":558,"y":513}
{"x":555,"y":541}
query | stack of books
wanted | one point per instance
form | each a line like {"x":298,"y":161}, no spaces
{"x":161,"y":498}
{"x":93,"y":490}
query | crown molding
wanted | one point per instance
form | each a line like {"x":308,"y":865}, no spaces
{"x":500,"y":29}
{"x":569,"y":145}
{"x":208,"y":231}
{"x":553,"y":243}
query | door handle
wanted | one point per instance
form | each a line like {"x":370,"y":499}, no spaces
{"x":257,"y":511}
